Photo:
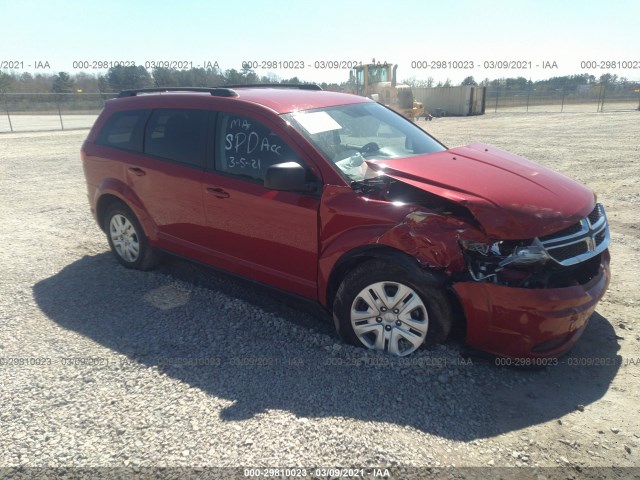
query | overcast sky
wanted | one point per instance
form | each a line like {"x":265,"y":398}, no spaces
{"x":453,"y":33}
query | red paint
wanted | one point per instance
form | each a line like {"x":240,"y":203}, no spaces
{"x":263,"y":234}
{"x":512,"y":321}
{"x":531,"y":200}
{"x":432,"y":239}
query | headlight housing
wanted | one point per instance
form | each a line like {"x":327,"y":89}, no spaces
{"x":531,"y":254}
{"x":485,"y":260}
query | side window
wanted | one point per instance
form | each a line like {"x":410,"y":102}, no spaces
{"x":247,"y":148}
{"x":124,"y":130}
{"x":178,"y":135}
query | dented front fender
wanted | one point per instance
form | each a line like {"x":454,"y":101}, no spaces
{"x":350,"y":221}
{"x":432,"y":239}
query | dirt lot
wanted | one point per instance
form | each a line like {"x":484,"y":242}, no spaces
{"x":98,"y":362}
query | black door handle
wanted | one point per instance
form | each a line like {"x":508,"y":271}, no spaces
{"x":218,"y":192}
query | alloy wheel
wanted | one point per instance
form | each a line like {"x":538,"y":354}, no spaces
{"x":124,"y":237}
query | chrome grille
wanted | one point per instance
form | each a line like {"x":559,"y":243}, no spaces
{"x":575,"y":228}
{"x":562,"y":254}
{"x":580,"y":241}
{"x":596,"y":214}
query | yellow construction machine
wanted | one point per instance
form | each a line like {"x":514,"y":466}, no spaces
{"x":378,"y":82}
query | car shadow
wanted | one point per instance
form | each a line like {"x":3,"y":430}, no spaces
{"x":232,"y":338}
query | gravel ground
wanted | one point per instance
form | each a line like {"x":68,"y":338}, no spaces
{"x":30,"y":123}
{"x":185,"y":366}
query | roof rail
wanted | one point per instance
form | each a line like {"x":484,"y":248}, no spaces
{"x":216,"y":91}
{"x":300,"y":86}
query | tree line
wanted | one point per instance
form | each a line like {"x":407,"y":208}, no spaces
{"x":566,"y":84}
{"x":121,"y":78}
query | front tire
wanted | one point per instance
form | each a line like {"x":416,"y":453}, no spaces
{"x":381,"y":306}
{"x":127,"y":240}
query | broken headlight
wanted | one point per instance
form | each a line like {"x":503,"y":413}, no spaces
{"x":484,"y":261}
{"x":531,"y":254}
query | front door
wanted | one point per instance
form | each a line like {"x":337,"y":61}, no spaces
{"x":268,"y":235}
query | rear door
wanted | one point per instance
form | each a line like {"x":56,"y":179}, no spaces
{"x":167,"y":177}
{"x":267,"y":235}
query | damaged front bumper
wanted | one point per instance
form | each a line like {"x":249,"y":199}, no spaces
{"x":529,"y":323}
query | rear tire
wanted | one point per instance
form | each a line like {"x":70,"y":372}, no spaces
{"x":127,"y":240}
{"x":381,"y":306}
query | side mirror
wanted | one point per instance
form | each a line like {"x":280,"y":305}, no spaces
{"x":288,"y":176}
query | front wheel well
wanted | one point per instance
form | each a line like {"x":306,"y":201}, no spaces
{"x":355,"y":258}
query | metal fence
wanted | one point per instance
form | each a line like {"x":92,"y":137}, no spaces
{"x":49,"y":111}
{"x":68,"y":111}
{"x":589,"y":98}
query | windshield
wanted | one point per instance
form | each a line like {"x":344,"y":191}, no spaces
{"x":347,"y":135}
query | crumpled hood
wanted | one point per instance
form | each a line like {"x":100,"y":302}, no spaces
{"x":510,"y":196}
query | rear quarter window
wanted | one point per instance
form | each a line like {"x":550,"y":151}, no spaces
{"x":124,"y":130}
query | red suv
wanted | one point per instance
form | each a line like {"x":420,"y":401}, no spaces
{"x":336,"y":198}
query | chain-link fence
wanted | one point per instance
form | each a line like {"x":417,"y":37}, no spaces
{"x":67,"y":111}
{"x":49,"y":111}
{"x":587,"y":98}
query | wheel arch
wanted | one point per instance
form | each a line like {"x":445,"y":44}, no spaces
{"x":103,"y":204}
{"x":435,"y":278}
{"x":111,"y":191}
{"x":357,"y":256}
